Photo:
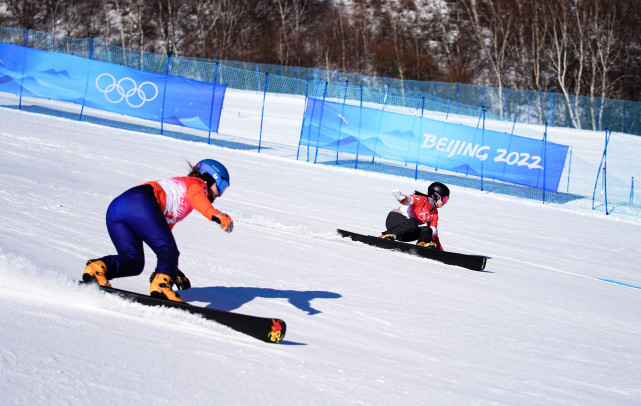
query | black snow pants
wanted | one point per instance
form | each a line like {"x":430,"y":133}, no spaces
{"x":406,"y":229}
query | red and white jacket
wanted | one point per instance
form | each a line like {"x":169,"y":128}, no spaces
{"x":422,"y":210}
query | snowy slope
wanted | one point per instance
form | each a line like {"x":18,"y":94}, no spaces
{"x":365,"y":326}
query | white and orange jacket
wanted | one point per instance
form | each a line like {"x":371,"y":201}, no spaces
{"x":179,"y":196}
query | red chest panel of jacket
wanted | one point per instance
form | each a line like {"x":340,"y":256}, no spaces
{"x":422,"y":211}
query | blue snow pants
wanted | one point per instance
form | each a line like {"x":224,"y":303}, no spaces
{"x":135,"y":217}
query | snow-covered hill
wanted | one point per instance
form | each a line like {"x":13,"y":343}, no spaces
{"x":365,"y":326}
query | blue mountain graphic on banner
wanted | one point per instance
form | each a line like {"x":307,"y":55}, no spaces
{"x":6,"y":79}
{"x":63,"y":74}
{"x":122,"y":90}
{"x":437,"y":144}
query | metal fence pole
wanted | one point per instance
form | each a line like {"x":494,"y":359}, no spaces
{"x":84,"y":98}
{"x":262,"y":113}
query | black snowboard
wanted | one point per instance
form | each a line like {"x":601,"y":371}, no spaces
{"x":264,"y":329}
{"x":473,"y":262}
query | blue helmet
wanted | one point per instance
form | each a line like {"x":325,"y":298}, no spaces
{"x":212,"y":171}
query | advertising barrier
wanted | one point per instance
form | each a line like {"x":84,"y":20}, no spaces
{"x":413,"y":139}
{"x":115,"y":88}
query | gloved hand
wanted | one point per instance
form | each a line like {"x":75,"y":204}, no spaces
{"x":225,"y":222}
{"x":398,"y":195}
{"x":182,"y":282}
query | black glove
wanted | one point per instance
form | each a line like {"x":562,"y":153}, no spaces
{"x":182,"y":282}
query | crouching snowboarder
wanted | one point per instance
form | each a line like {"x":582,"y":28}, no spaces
{"x":147,"y":213}
{"x":417,"y":218}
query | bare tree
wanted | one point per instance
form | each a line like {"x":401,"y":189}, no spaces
{"x":168,"y":12}
{"x":446,"y":30}
{"x":492,"y":27}
{"x":121,"y":23}
{"x":53,"y":14}
{"x":397,"y":11}
{"x":603,"y":51}
{"x":574,"y":47}
{"x":561,"y":52}
{"x":26,"y":13}
{"x":530,"y":42}
{"x":227,"y":27}
{"x":291,"y":13}
{"x":204,"y":15}
{"x":136,"y":17}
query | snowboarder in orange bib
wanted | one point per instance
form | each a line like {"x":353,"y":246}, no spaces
{"x":146,"y":214}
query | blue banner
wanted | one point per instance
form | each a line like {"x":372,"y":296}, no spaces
{"x":437,"y":144}
{"x":110,"y":87}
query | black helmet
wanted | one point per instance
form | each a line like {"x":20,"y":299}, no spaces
{"x":437,"y":190}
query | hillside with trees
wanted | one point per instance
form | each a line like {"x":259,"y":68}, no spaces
{"x":573,"y":47}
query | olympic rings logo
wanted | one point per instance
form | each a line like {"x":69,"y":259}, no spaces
{"x":126,"y":89}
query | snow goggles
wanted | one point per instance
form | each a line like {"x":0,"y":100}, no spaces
{"x":222,"y":184}
{"x":443,"y":198}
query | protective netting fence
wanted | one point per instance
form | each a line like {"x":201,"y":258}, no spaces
{"x":264,"y":107}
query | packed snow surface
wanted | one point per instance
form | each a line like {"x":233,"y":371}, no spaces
{"x":555,"y":319}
